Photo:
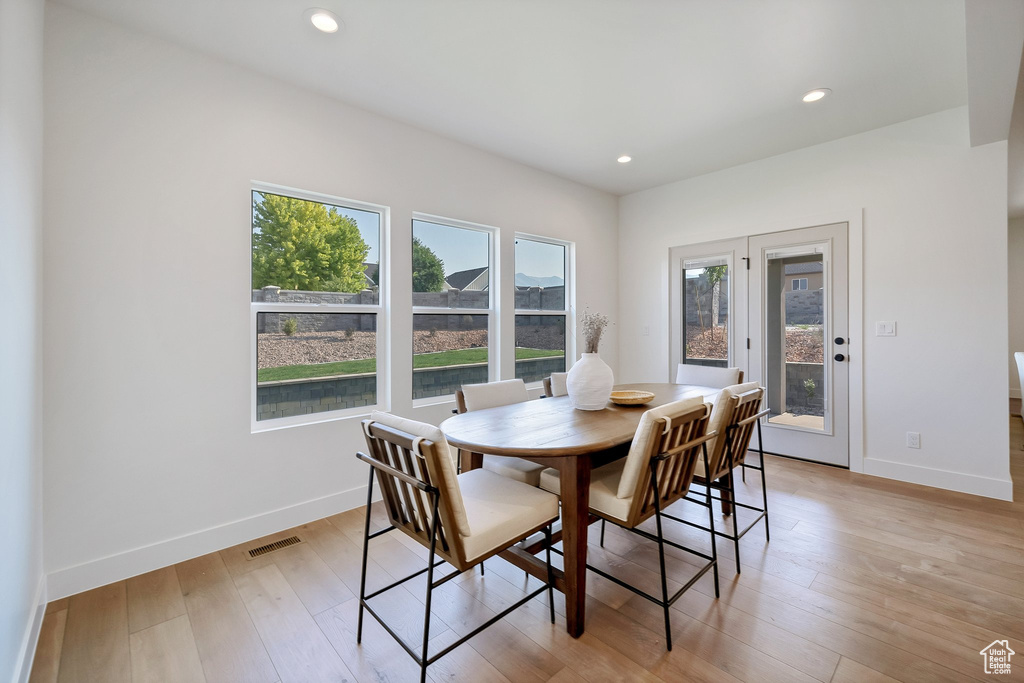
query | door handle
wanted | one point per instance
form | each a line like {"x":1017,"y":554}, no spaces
{"x":840,"y":357}
{"x":839,"y":341}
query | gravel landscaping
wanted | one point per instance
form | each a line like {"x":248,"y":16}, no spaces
{"x":804,"y":343}
{"x":276,"y":349}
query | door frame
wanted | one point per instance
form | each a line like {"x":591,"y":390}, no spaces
{"x":854,"y":218}
{"x":735,"y":251}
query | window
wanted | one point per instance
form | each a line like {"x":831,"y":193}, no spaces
{"x":541,"y":307}
{"x":316,"y":275}
{"x":453,"y":310}
{"x":706,"y":311}
{"x":799,"y":283}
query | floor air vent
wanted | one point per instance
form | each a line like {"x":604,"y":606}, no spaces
{"x":271,"y":547}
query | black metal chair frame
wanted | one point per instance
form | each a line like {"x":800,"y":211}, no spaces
{"x":666,"y":601}
{"x":435,"y":495}
{"x":730,"y":489}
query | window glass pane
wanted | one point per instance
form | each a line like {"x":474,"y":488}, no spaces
{"x":706,"y":312}
{"x":795,"y":339}
{"x":448,"y":351}
{"x":540,"y":346}
{"x":311,"y":252}
{"x":540,"y":275}
{"x":450,"y":266}
{"x":314,"y":362}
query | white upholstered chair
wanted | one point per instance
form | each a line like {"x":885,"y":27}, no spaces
{"x":707,"y":376}
{"x":461,"y":519}
{"x":555,"y":385}
{"x":1019,"y":357}
{"x":656,"y":473}
{"x":492,"y":395}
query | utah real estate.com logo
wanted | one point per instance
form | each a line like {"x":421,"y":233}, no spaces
{"x":997,"y":657}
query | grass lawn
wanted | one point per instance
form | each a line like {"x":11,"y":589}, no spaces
{"x":421,"y":360}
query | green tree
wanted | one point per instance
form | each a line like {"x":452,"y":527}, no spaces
{"x":298,"y":244}
{"x":427,"y":268}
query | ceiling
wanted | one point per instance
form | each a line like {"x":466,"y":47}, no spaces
{"x":684,"y":87}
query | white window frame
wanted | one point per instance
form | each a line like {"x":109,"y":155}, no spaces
{"x":569,"y":302}
{"x":799,"y":284}
{"x":493,"y":306}
{"x":381,"y":310}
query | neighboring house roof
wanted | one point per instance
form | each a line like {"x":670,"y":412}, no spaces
{"x":468,"y":279}
{"x":369,"y":271}
{"x":803,"y":268}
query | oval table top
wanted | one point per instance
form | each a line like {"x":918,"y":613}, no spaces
{"x":551,"y":427}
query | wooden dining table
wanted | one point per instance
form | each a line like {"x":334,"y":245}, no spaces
{"x":551,"y":432}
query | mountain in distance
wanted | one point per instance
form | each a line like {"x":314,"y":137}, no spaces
{"x":534,"y":281}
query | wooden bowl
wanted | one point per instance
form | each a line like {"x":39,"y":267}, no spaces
{"x":631,"y":398}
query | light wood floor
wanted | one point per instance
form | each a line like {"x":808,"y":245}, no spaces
{"x":864,"y":580}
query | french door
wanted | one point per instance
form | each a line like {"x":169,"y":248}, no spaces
{"x":775,"y":305}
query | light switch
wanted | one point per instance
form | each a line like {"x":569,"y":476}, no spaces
{"x":885,"y":328}
{"x":647,"y":331}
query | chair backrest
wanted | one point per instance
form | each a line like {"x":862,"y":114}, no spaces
{"x":555,"y":385}
{"x":413,"y":463}
{"x":707,"y":376}
{"x":736,"y":411}
{"x":490,"y":395}
{"x":671,"y":437}
{"x":1019,"y":357}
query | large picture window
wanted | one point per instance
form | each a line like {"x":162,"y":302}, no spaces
{"x":542,"y":307}
{"x":453,"y":312}
{"x":316,"y":277}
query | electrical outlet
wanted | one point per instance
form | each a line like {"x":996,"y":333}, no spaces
{"x":647,"y":331}
{"x":913,"y":439}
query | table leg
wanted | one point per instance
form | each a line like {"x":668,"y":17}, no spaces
{"x":726,"y":496}
{"x":471,"y":461}
{"x":575,"y":493}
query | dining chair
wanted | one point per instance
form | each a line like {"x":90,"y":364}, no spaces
{"x":554,"y":385}
{"x":707,"y":376}
{"x":461,"y":519}
{"x":656,"y":473}
{"x":736,"y":414}
{"x":1019,"y":357}
{"x":492,"y":395}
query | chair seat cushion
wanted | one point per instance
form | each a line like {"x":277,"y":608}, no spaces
{"x":514,"y":468}
{"x":501,"y":511}
{"x":708,"y":376}
{"x":604,"y":483}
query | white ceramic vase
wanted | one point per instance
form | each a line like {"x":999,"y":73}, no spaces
{"x":590,"y":383}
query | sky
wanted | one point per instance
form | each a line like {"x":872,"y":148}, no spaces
{"x":459,"y":248}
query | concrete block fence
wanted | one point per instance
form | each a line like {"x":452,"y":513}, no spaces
{"x":308,"y":396}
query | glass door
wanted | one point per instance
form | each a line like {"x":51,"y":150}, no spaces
{"x":799,"y":345}
{"x":707,"y":288}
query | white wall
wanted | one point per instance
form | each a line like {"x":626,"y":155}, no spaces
{"x":934,"y":218}
{"x":150,"y":150}
{"x":21,"y":558}
{"x":1015,"y":259}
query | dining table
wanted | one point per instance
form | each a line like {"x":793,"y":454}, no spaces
{"x":551,"y":432}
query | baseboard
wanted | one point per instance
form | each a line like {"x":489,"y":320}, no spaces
{"x":1014,"y":393}
{"x":27,"y":654}
{"x":72,"y":580}
{"x":988,"y":487}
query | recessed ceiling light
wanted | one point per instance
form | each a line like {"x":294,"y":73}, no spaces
{"x":625,"y":159}
{"x":816,"y":94}
{"x":324,"y":20}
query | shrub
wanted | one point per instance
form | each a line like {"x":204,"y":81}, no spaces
{"x":810,"y":387}
{"x":290,"y":326}
{"x":350,"y":332}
